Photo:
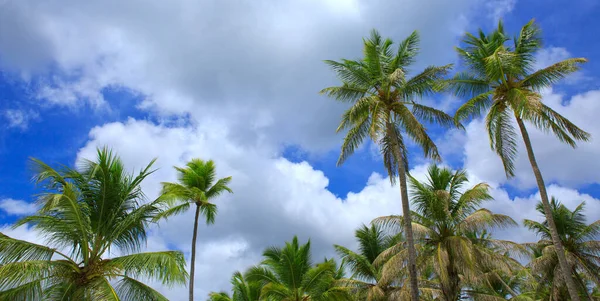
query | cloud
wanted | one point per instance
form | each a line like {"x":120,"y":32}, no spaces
{"x":558,"y":162}
{"x":17,"y":207}
{"x":20,"y":118}
{"x":521,"y":208}
{"x":256,"y":64}
{"x":274,"y":199}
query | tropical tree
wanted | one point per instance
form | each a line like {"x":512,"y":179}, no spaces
{"x":366,"y":281}
{"x":502,"y":82}
{"x":445,"y":220}
{"x":196,"y":186}
{"x":288,"y":274}
{"x":87,"y":215}
{"x":582,"y":249}
{"x":243,"y":290}
{"x":385,"y":107}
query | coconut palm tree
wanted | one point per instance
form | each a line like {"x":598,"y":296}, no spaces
{"x":196,"y":186}
{"x":582,"y":249}
{"x":385,"y":107}
{"x":243,"y":290}
{"x":445,"y":218}
{"x":501,"y":81}
{"x":87,"y":216}
{"x":366,"y":281}
{"x":288,"y":274}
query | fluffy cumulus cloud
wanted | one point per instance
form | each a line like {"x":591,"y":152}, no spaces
{"x":559,"y":162}
{"x":257,"y":64}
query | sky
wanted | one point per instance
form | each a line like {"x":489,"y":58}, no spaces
{"x":237,"y":82}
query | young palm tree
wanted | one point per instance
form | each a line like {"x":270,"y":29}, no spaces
{"x":243,"y":290}
{"x":196,"y":186}
{"x":444,"y":221}
{"x":501,"y":81}
{"x":385,"y":107}
{"x":582,"y":249}
{"x":287,"y":274}
{"x":366,"y":281}
{"x":89,"y":212}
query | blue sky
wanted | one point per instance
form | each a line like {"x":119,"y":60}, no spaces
{"x":237,"y":81}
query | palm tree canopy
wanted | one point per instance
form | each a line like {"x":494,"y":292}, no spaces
{"x":580,"y":241}
{"x":243,"y":290}
{"x":94,"y":211}
{"x":381,"y":94}
{"x":501,"y":81}
{"x":365,"y":281}
{"x":451,"y":232}
{"x":196,"y":185}
{"x":288,"y":274}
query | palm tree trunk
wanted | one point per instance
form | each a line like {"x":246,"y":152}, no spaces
{"x":565,"y":267}
{"x":412,"y":254}
{"x":193,"y":260}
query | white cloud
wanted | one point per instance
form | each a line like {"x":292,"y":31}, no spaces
{"x":256,"y":64}
{"x":521,"y":208}
{"x":20,"y":118}
{"x":559,"y":162}
{"x":17,"y":207}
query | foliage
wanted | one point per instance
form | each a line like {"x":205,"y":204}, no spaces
{"x":288,"y":274}
{"x":501,"y":81}
{"x":582,"y":249}
{"x":366,"y":282}
{"x":450,"y":230}
{"x":93,"y":212}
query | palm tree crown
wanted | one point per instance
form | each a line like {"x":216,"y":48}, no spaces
{"x":197,"y":186}
{"x":94,"y":212}
{"x":446,"y":222}
{"x":243,"y":290}
{"x":501,"y":80}
{"x":366,"y":281}
{"x":381,"y":95}
{"x":288,"y":274}
{"x":581,"y":244}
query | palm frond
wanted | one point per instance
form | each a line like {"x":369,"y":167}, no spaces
{"x":502,"y":136}
{"x":129,"y":289}
{"x":167,"y":266}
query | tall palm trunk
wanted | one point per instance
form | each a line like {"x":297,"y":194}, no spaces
{"x":565,"y":267}
{"x":451,"y":289}
{"x":412,"y":254}
{"x":193,"y":260}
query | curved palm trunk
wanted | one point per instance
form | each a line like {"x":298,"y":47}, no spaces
{"x":193,"y":260}
{"x":565,"y":267}
{"x":412,"y":254}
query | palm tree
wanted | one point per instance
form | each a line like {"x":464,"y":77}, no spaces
{"x":385,"y":105}
{"x":582,"y":248}
{"x":501,"y":81}
{"x":444,"y":222}
{"x":92,"y":213}
{"x":288,"y":274}
{"x":196,"y":186}
{"x":243,"y":290}
{"x":366,"y":277}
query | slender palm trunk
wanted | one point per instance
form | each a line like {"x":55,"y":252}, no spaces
{"x":193,"y":260}
{"x":451,"y":290}
{"x":412,"y":254}
{"x":565,"y":267}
